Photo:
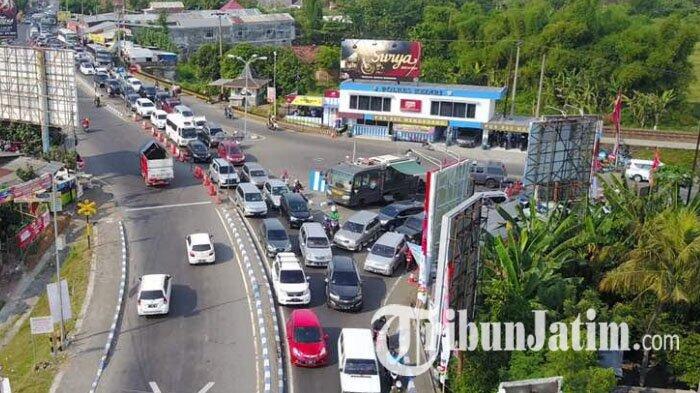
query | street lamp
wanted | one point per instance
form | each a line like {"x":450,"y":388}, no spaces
{"x":274,"y":83}
{"x":246,"y":72}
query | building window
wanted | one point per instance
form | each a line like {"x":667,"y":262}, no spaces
{"x":453,"y":109}
{"x":209,"y":33}
{"x":370,"y":103}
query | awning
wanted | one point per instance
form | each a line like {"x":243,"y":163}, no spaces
{"x":409,"y":168}
{"x":308,"y":101}
{"x":220,"y":82}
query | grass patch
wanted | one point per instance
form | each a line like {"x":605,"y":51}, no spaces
{"x":680,"y":157}
{"x":17,"y":358}
{"x":694,"y":89}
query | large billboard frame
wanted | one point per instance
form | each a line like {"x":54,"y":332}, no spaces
{"x":38,"y":86}
{"x":380,"y":59}
{"x":559,"y":158}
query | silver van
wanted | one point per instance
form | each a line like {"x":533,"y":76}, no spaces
{"x":386,"y":254}
{"x":249,"y":199}
{"x":358,"y":231}
{"x":223,"y":173}
{"x":314,"y":245}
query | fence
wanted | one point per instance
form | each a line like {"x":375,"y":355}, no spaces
{"x":371,"y":131}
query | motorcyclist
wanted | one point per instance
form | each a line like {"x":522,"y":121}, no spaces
{"x":297,"y":188}
{"x":85,"y":123}
{"x":334,"y":215}
{"x":97,"y":100}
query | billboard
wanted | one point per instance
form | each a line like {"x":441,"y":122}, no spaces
{"x":380,"y":59}
{"x":8,"y":19}
{"x":34,"y":81}
{"x":559,"y":157}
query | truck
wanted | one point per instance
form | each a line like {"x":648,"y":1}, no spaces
{"x":156,"y":166}
{"x":384,"y":178}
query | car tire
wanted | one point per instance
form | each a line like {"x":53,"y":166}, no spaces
{"x":637,"y":178}
{"x":491,"y":183}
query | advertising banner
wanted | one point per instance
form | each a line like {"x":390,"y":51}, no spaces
{"x":59,"y":304}
{"x":271,"y":94}
{"x":411,"y":106}
{"x":380,"y":59}
{"x":31,"y":186}
{"x":308,"y":101}
{"x":8,"y":19}
{"x":31,"y":231}
{"x":41,"y":325}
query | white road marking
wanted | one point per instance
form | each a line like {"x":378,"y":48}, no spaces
{"x":206,"y":387}
{"x":391,"y":290}
{"x":135,"y":209}
{"x":154,"y":387}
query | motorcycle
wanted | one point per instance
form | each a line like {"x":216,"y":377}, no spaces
{"x":86,"y":126}
{"x":331,"y":226}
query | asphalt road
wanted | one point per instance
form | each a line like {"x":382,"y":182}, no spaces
{"x":207,"y":337}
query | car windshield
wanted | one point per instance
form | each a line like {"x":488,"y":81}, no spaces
{"x":161,"y":117}
{"x":344,"y":278}
{"x":187,"y":113}
{"x":200,"y":123}
{"x":198,"y":147}
{"x":414,"y":223}
{"x":390,"y":210}
{"x":253,"y":197}
{"x":151,"y":295}
{"x":226,"y":169}
{"x":298,"y":206}
{"x":280,"y":190}
{"x":201,"y":247}
{"x":353,"y":227}
{"x":188,"y":133}
{"x":307,"y":334}
{"x":146,"y":104}
{"x":233,"y":150}
{"x":317,"y":242}
{"x":214,"y":131}
{"x":341,"y":180}
{"x":360,"y":367}
{"x":382,"y":250}
{"x":277,"y":234}
{"x":257,"y":173}
{"x":292,"y":276}
{"x":136,"y":82}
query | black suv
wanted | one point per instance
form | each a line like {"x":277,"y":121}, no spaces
{"x":274,"y":237}
{"x":100,"y":79}
{"x":212,"y":134}
{"x":148,"y":92}
{"x":294,"y":207}
{"x":343,"y":284}
{"x":113,"y":88}
{"x":492,"y":174}
{"x":392,"y":216}
{"x":198,"y":151}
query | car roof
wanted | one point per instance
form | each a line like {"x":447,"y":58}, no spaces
{"x":638,"y":161}
{"x":160,"y":112}
{"x":314,"y":229}
{"x":200,"y":238}
{"x":363,"y":217}
{"x":221,"y":162}
{"x":293,"y":197}
{"x":248,"y":187}
{"x":253,"y":165}
{"x":391,"y":239}
{"x":144,"y":99}
{"x":273,"y":223}
{"x":182,"y":108}
{"x":196,"y":142}
{"x":227,"y":142}
{"x":305,"y":317}
{"x":152,"y":282}
{"x":358,"y":343}
{"x":211,"y":124}
{"x":343,"y":263}
{"x":276,"y":182}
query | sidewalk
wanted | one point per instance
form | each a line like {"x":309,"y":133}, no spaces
{"x":85,"y":350}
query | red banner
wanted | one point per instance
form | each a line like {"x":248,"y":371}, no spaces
{"x":31,"y":231}
{"x":411,"y":105}
{"x":332,"y":93}
{"x":29,"y":187}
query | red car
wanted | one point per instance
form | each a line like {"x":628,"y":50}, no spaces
{"x":230,"y":151}
{"x":169,"y":103}
{"x":306,"y":339}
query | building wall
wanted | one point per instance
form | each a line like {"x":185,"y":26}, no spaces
{"x":267,"y":33}
{"x":485,"y":108}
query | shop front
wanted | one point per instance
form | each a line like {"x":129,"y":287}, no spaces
{"x":507,"y":132}
{"x":305,"y":110}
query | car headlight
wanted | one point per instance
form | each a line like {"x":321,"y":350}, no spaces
{"x":292,"y":218}
{"x":271,"y":248}
{"x":323,"y":352}
{"x":334,"y":296}
{"x":297,"y":352}
{"x":358,"y":296}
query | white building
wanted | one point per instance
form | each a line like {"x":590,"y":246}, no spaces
{"x":416,"y":111}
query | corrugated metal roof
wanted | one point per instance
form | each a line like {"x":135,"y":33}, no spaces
{"x":166,"y":4}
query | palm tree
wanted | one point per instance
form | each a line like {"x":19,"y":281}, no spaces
{"x":665,"y":264}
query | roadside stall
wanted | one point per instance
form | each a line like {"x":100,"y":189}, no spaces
{"x":306,"y":110}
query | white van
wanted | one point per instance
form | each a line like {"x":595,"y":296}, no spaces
{"x":639,"y":170}
{"x":158,"y":118}
{"x":357,"y":362}
{"x":180,"y":130}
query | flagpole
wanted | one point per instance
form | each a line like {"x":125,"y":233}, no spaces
{"x":695,"y":162}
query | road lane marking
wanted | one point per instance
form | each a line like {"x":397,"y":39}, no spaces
{"x":206,"y":387}
{"x":154,"y":387}
{"x":248,"y":296}
{"x":135,"y":209}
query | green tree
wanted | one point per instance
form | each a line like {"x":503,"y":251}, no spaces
{"x":664,"y":264}
{"x":311,"y":18}
{"x":328,"y":58}
{"x":686,"y":362}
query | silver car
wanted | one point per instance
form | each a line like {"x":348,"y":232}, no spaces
{"x":358,"y":231}
{"x":386,"y":254}
{"x":252,"y":172}
{"x":273,"y":191}
{"x":249,"y":199}
{"x":314,"y":244}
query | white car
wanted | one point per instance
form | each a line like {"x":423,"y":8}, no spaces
{"x":134,"y":83}
{"x":200,"y":248}
{"x":158,"y":119}
{"x":639,"y":170}
{"x":102,"y":69}
{"x":199,"y":123}
{"x":289,"y":281}
{"x":87,"y":69}
{"x":154,"y":294}
{"x":185,"y":112}
{"x":144,"y":107}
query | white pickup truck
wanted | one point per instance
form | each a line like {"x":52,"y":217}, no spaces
{"x":289,"y":281}
{"x":156,"y":166}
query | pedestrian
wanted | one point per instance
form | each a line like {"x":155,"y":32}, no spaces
{"x":226,"y":112}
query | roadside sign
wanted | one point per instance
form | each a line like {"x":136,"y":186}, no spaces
{"x":55,"y":303}
{"x":41,"y":325}
{"x":5,"y":385}
{"x":87,"y":208}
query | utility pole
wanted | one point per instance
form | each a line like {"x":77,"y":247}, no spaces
{"x":539,"y":88}
{"x":247,"y":74}
{"x":515,"y":77}
{"x":221,"y":50}
{"x":54,"y":201}
{"x":43,"y":101}
{"x":695,"y":162}
{"x":274,"y":83}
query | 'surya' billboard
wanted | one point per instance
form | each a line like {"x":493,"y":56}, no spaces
{"x":380,"y":59}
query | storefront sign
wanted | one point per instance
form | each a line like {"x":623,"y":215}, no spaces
{"x":308,"y":101}
{"x":412,"y":90}
{"x":8,"y":19}
{"x":31,"y":231}
{"x":411,"y":105}
{"x":411,"y":120}
{"x":380,"y":59}
{"x":29,"y":187}
{"x":331,"y":93}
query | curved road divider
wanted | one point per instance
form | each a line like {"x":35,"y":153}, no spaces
{"x":117,"y":313}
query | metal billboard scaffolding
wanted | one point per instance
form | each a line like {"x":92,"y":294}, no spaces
{"x":559,"y":158}
{"x":38,"y":86}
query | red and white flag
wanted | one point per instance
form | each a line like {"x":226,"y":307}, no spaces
{"x":616,"y":117}
{"x":655,"y":164}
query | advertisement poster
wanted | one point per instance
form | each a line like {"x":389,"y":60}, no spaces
{"x":414,"y":106}
{"x":380,"y":59}
{"x":8,"y":19}
{"x":31,"y":231}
